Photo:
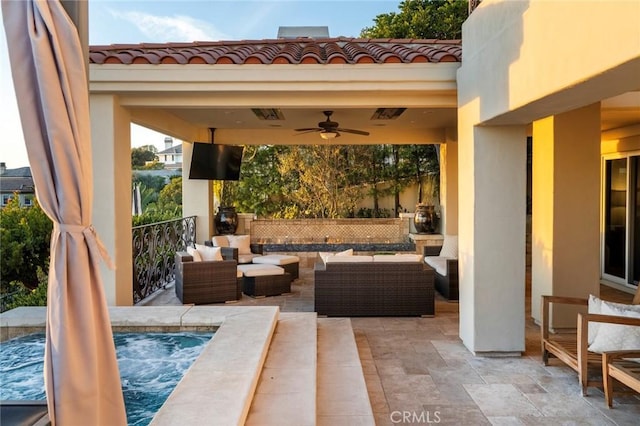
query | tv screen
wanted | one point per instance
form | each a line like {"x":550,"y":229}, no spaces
{"x":215,"y":162}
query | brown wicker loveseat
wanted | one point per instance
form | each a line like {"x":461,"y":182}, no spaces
{"x":374,"y":289}
{"x":206,"y":281}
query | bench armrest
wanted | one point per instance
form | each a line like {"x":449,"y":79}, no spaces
{"x":544,"y":306}
{"x":431,"y":250}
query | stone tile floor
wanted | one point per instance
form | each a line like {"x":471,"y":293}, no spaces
{"x":417,"y":371}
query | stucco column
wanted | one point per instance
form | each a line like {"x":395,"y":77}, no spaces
{"x":565,"y":211}
{"x":111,"y":149}
{"x":492,"y":213}
{"x":197,"y":198}
{"x":449,"y":183}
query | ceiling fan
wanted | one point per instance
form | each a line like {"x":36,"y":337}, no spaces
{"x":330,"y":129}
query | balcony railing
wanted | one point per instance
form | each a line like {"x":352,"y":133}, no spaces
{"x":154,"y":248}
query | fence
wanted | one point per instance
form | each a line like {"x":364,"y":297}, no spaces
{"x":154,"y":248}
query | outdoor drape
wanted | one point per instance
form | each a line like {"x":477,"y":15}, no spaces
{"x":81,"y":372}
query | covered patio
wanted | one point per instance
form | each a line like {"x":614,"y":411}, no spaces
{"x":528,"y":71}
{"x":481,"y":110}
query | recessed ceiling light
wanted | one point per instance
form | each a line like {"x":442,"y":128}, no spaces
{"x":387,"y":113}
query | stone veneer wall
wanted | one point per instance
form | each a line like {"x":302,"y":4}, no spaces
{"x":329,"y":230}
{"x":334,"y":230}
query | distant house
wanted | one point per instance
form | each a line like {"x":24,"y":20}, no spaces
{"x":171,"y":156}
{"x":18,"y":181}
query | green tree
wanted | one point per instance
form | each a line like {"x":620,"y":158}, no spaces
{"x":169,"y":204}
{"x":25,"y":235}
{"x":262,"y":188}
{"x":23,"y":296}
{"x":150,"y":181}
{"x":426,"y":19}
{"x":140,"y":156}
{"x":324,"y":175}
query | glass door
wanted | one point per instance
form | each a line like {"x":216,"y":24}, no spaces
{"x":615,"y":218}
{"x":634,"y":249}
{"x":621,"y":254}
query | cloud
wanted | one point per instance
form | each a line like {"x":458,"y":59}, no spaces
{"x":171,"y":28}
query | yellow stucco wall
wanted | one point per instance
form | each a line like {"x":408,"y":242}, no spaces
{"x":526,"y":57}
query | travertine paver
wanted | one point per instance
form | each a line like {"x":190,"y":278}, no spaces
{"x":394,"y":351}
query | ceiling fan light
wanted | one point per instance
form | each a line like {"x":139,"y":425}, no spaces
{"x":326,"y":135}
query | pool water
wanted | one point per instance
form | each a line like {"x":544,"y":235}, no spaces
{"x":151,"y":365}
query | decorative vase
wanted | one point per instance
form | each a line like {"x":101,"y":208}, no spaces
{"x":425,"y":219}
{"x":226,"y":220}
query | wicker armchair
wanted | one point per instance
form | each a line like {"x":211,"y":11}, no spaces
{"x":446,"y":285}
{"x":207,"y":281}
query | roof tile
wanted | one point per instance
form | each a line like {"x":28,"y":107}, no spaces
{"x":340,"y":50}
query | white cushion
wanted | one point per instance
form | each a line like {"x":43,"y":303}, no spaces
{"x":438,"y":263}
{"x":209,"y":253}
{"x":349,"y":259}
{"x":254,"y":270}
{"x":241,"y":242}
{"x":277,"y":259}
{"x":449,"y":246}
{"x":347,"y":252}
{"x":398,"y":258}
{"x":247,"y":258}
{"x":220,"y":241}
{"x":595,"y":307}
{"x":615,"y":337}
{"x":194,"y":253}
{"x":324,"y":255}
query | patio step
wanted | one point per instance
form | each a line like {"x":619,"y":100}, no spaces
{"x":286,"y":391}
{"x":342,"y":391}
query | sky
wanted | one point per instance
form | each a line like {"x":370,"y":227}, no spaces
{"x":159,"y":21}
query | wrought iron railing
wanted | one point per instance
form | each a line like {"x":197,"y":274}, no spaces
{"x":154,"y":248}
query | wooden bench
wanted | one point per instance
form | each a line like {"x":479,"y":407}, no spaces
{"x":572,"y":348}
{"x":625,"y":371}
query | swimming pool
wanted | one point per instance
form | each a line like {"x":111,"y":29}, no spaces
{"x":151,"y":365}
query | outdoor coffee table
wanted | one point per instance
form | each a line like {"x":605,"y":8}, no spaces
{"x":264,"y":280}
{"x":288,"y":262}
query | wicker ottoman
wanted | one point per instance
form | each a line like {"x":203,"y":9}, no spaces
{"x":289,"y":263}
{"x":264,"y":280}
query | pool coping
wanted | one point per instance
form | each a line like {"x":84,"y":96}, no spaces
{"x":218,"y":387}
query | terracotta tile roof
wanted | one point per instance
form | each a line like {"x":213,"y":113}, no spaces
{"x":341,"y":50}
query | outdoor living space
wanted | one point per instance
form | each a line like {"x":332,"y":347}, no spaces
{"x":417,"y":369}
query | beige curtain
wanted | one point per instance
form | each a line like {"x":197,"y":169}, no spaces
{"x":81,"y":372}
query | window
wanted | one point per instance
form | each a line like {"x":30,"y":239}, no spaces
{"x":28,"y":202}
{"x":5,"y":199}
{"x":621,"y":243}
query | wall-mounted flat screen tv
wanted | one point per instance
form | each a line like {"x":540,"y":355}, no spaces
{"x":215,"y":162}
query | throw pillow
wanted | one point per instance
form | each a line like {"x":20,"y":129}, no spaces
{"x":449,"y":247}
{"x":595,"y":307}
{"x":209,"y":253}
{"x":348,"y":252}
{"x":241,"y":242}
{"x":220,"y":241}
{"x":614,"y":337}
{"x":194,"y":253}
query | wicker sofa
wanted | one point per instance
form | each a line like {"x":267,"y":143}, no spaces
{"x":207,"y":281}
{"x":374,"y":289}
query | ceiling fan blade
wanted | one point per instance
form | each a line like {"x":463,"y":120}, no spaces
{"x":355,"y":132}
{"x":303,"y":131}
